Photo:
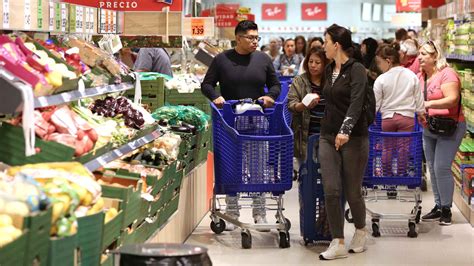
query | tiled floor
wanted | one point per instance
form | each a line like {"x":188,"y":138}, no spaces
{"x":435,"y":245}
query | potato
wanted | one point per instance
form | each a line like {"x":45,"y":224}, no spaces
{"x":16,"y":207}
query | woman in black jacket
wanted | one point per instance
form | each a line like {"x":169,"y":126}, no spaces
{"x":344,"y":144}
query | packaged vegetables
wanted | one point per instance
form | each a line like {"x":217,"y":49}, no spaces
{"x":174,"y":115}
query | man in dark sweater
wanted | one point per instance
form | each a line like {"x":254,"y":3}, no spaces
{"x":242,"y":72}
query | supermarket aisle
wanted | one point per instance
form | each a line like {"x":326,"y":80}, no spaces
{"x":435,"y":245}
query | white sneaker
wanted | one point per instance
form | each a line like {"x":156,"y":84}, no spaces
{"x":334,"y":251}
{"x":358,"y":241}
{"x":261,"y":220}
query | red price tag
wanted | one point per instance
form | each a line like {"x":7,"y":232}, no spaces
{"x":197,"y":27}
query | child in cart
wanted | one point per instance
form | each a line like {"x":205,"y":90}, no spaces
{"x":242,"y":73}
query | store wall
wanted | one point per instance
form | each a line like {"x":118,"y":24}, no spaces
{"x":347,"y":13}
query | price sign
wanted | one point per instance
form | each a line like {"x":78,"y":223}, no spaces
{"x":51,"y":15}
{"x":40,"y":14}
{"x":27,"y":14}
{"x":72,"y":19}
{"x":79,"y":18}
{"x":91,"y":20}
{"x":102,"y":21}
{"x":63,"y":17}
{"x":57,"y":16}
{"x":6,"y":14}
{"x":114,"y":22}
{"x":197,"y":27}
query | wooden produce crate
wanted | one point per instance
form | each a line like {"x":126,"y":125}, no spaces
{"x":152,"y":23}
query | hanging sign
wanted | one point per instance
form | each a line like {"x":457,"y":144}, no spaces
{"x":131,"y":5}
{"x":273,"y":11}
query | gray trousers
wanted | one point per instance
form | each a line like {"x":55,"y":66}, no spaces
{"x":342,"y":172}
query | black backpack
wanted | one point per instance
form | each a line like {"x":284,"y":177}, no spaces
{"x":369,"y":104}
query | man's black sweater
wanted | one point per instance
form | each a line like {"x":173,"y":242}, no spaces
{"x":241,"y":76}
{"x":345,"y":99}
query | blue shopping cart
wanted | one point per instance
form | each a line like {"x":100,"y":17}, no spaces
{"x":253,"y":154}
{"x":314,"y":226}
{"x":394,"y":172}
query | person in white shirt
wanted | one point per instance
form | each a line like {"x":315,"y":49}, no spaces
{"x":398,"y":97}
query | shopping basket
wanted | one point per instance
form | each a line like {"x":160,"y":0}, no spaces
{"x":283,"y":99}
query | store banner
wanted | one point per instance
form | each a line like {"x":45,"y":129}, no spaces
{"x":273,"y":11}
{"x":227,"y":8}
{"x":131,"y":5}
{"x":314,"y":11}
{"x":408,"y":6}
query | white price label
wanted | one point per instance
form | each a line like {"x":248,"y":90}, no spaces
{"x":27,"y":14}
{"x":51,"y":16}
{"x":6,"y":14}
{"x":114,"y":22}
{"x":79,"y":19}
{"x":63,"y":17}
{"x":86,"y":19}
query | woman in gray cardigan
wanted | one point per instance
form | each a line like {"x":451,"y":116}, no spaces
{"x":307,"y":118}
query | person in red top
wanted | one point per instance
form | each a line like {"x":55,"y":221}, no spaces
{"x":409,"y":54}
{"x":442,"y":99}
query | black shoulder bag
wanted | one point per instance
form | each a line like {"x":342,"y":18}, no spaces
{"x":442,"y":126}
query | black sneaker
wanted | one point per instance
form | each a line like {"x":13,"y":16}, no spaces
{"x":433,"y":215}
{"x":445,"y":216}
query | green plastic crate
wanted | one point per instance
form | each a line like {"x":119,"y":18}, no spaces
{"x":112,"y":230}
{"x":109,"y":261}
{"x":63,"y":251}
{"x":89,"y":238}
{"x":174,"y":97}
{"x":168,"y":210}
{"x":14,"y":253}
{"x":12,"y":148}
{"x":144,"y":232}
{"x":39,"y":226}
{"x":153,"y":93}
{"x":131,"y":200}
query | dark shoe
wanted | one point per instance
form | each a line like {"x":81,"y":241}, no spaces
{"x":433,"y":215}
{"x":445,"y":216}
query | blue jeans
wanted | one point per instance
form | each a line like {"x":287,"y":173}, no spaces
{"x":440,"y":152}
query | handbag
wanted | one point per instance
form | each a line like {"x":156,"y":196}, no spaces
{"x":442,"y":126}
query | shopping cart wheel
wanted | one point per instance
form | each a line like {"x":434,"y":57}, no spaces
{"x":375,"y":230}
{"x":391,"y":194}
{"x":348,"y":216}
{"x":246,"y":239}
{"x":284,"y":239}
{"x":218,"y":227}
{"x":412,"y":230}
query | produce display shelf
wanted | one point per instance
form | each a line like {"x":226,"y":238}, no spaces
{"x":468,"y":58}
{"x":71,"y":96}
{"x":119,"y":152}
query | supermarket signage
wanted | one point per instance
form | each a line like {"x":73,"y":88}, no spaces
{"x":273,"y":11}
{"x":314,"y":11}
{"x":131,"y":5}
{"x":198,"y":27}
{"x":408,"y":6}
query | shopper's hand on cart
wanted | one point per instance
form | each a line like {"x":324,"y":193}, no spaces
{"x":267,"y":101}
{"x":219,"y":102}
{"x":341,"y":139}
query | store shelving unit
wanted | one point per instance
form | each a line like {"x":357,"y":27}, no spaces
{"x":123,"y":150}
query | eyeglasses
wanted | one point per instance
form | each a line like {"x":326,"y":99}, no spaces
{"x":252,"y":38}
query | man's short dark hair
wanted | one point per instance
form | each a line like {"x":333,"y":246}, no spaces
{"x":401,"y":34}
{"x":244,"y":26}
